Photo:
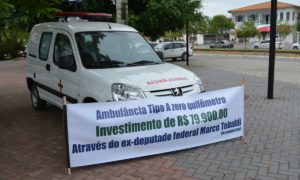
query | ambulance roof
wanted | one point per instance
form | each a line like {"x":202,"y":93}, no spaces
{"x":81,"y":26}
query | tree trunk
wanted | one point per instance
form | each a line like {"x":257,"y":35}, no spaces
{"x":245,"y":42}
{"x":193,"y":41}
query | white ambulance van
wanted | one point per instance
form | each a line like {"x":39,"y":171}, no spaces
{"x":98,"y":61}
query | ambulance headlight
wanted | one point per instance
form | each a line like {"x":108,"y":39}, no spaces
{"x":123,"y":92}
{"x":199,"y":83}
{"x":202,"y":89}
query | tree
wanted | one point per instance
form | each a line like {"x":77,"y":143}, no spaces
{"x":151,"y":17}
{"x":246,"y":30}
{"x":283,"y":30}
{"x":172,"y":35}
{"x":29,"y":13}
{"x":219,"y":24}
{"x":105,"y":6}
{"x":198,"y":25}
{"x":298,"y":26}
{"x":155,"y":17}
{"x":5,"y":7}
{"x":18,"y":19}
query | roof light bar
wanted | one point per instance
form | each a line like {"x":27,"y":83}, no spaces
{"x":83,"y":14}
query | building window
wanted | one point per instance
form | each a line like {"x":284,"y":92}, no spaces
{"x":293,"y":18}
{"x":252,"y":17}
{"x":267,"y":18}
{"x":240,"y":18}
{"x":281,"y":16}
{"x":287,"y":16}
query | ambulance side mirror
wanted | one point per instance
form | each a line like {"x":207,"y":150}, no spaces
{"x":160,"y":54}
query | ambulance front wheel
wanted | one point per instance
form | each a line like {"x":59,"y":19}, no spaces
{"x":37,"y":103}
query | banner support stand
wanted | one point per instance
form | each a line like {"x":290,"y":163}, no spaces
{"x":65,"y":124}
{"x":243,"y":81}
{"x":63,"y":115}
{"x":242,"y":138}
{"x":68,"y":171}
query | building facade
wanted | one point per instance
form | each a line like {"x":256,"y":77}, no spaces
{"x":260,"y":14}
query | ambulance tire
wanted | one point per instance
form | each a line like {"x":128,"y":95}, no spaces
{"x":37,"y":103}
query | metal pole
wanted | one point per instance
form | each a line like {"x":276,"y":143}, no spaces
{"x":187,"y":43}
{"x":122,"y":11}
{"x":272,"y":49}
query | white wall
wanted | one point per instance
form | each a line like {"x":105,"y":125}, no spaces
{"x":261,"y":21}
{"x":200,"y":39}
{"x":260,"y":15}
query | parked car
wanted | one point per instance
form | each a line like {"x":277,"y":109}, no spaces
{"x":153,"y":44}
{"x":222,"y":44}
{"x":265,"y":44}
{"x":174,"y":50}
{"x":96,"y":61}
{"x":296,"y":46}
{"x":23,"y":53}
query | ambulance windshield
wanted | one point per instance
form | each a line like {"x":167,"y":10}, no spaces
{"x":114,"y":49}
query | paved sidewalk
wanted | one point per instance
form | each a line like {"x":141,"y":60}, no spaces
{"x":32,"y":143}
{"x":272,"y":127}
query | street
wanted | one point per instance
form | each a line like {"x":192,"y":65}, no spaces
{"x":250,"y":65}
{"x":33,"y":143}
{"x":249,"y":46}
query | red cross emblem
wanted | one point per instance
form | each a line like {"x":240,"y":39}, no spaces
{"x":60,"y":85}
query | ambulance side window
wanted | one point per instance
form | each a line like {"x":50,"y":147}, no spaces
{"x":63,"y":55}
{"x":44,"y":46}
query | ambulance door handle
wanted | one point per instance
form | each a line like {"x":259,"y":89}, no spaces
{"x":48,"y":67}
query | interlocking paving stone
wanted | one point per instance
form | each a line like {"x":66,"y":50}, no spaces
{"x":271,"y":126}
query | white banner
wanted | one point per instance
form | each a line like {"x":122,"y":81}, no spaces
{"x":111,"y":131}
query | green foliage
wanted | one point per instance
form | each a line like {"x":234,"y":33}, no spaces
{"x":170,"y":35}
{"x":219,"y":24}
{"x":155,"y":17}
{"x":17,"y":18}
{"x":5,"y":7}
{"x":25,"y":14}
{"x":105,"y":6}
{"x":28,"y":13}
{"x":247,"y":30}
{"x":11,"y":41}
{"x":283,"y":29}
{"x":298,"y":26}
{"x":199,"y":25}
{"x":36,"y":8}
{"x":151,"y":17}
